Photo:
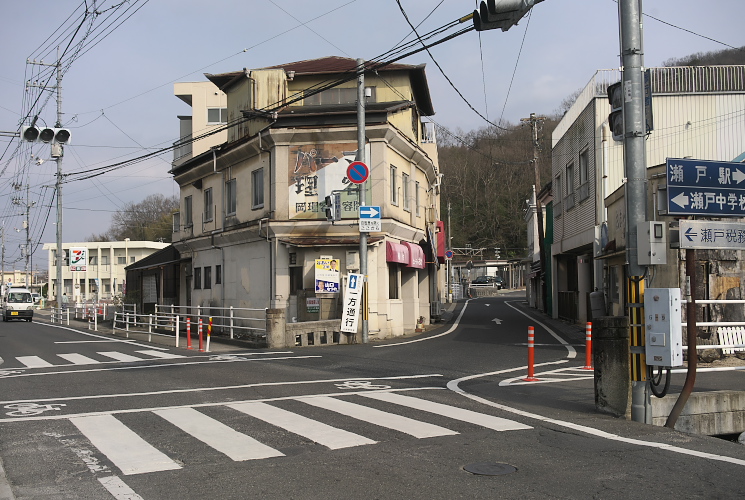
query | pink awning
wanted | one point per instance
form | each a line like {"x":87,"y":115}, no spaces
{"x":395,"y":252}
{"x":416,"y":255}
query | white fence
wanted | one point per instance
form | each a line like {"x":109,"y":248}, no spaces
{"x":730,"y":334}
{"x":241,"y":322}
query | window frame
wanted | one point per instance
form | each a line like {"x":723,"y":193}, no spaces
{"x":231,"y":199}
{"x":257,"y":188}
{"x":197,"y":278}
{"x":405,"y":181}
{"x":218,"y":274}
{"x":416,"y":198}
{"x":188,"y":214}
{"x":208,"y":205}
{"x":394,"y":289}
{"x":222,"y":115}
{"x":207,"y":283}
{"x":394,"y":186}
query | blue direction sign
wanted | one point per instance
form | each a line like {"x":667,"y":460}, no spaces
{"x":702,"y":187}
{"x":369,"y":212}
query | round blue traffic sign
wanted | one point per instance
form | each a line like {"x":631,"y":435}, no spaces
{"x":449,"y":254}
{"x":357,"y":172}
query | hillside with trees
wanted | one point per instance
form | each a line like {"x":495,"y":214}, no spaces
{"x":149,"y":220}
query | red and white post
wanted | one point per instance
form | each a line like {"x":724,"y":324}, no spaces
{"x":209,"y":334}
{"x":588,"y":347}
{"x":201,"y":336}
{"x":188,"y":333}
{"x":531,"y":355}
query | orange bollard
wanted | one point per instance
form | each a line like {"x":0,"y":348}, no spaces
{"x":188,"y":333}
{"x":531,"y":355}
{"x":201,"y":336}
{"x":588,"y":347}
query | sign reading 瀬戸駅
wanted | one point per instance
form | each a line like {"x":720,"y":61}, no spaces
{"x":708,"y":188}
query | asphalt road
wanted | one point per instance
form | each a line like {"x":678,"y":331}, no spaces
{"x":91,"y":416}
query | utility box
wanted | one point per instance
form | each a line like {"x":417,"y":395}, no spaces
{"x":664,"y":330}
{"x":651,"y":243}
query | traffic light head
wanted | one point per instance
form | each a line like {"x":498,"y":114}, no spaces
{"x":46,"y":135}
{"x":615,"y":118}
{"x":502,"y":14}
{"x":329,"y":208}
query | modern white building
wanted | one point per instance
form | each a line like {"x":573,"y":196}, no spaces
{"x":101,"y":275}
{"x":698,"y":112}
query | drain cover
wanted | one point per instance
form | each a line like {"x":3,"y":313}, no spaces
{"x":489,"y":469}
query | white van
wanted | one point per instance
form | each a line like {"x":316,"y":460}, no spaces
{"x":18,"y":304}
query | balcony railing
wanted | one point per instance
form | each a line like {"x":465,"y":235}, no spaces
{"x":182,"y":148}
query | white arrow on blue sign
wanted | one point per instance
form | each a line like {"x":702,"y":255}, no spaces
{"x":702,"y":187}
{"x":370,"y":212}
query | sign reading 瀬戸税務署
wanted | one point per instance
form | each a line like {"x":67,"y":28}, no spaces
{"x":712,"y":235}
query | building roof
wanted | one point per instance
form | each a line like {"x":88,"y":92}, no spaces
{"x":334,"y":65}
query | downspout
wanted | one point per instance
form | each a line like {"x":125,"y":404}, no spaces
{"x":273,"y":250}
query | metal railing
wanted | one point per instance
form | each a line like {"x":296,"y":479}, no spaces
{"x":733,"y":331}
{"x":130,"y":322}
{"x":242,"y":322}
{"x":60,"y":315}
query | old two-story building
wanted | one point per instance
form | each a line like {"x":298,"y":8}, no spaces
{"x":697,"y":113}
{"x":252,"y":219}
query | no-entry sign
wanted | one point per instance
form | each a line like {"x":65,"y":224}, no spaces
{"x":357,"y":172}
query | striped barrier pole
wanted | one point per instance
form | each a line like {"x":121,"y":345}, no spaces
{"x":209,"y":334}
{"x":201,"y":336}
{"x":588,"y":347}
{"x":531,"y":355}
{"x":188,"y":333}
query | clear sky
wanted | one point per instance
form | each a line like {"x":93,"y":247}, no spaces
{"x":118,"y":95}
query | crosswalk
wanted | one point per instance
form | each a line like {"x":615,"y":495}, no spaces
{"x":125,"y":447}
{"x":104,"y":357}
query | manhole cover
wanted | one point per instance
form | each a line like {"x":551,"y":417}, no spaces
{"x":489,"y":469}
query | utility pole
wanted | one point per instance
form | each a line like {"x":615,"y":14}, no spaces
{"x":57,"y":154}
{"x":535,"y":123}
{"x":363,"y":194}
{"x":2,"y":280}
{"x":635,"y":162}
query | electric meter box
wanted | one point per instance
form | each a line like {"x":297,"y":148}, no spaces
{"x":664,"y":329}
{"x":651,"y":242}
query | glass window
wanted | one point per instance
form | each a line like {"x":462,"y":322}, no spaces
{"x":339,"y":95}
{"x":230,"y":197}
{"x":208,"y":204}
{"x":392,"y":281}
{"x":584,"y":168}
{"x":257,"y":188}
{"x":218,"y":275}
{"x":131,"y":260}
{"x":570,"y":179}
{"x":217,"y":115}
{"x":405,"y":183}
{"x":197,"y":278}
{"x":104,"y":260}
{"x":187,"y":211}
{"x":394,"y":186}
{"x":207,"y":276}
{"x":121,"y":260}
{"x":93,"y":260}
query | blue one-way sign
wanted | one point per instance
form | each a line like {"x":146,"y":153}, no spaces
{"x":702,"y":187}
{"x":369,"y":212}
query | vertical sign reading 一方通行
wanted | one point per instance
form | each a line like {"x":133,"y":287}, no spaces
{"x":327,"y":275}
{"x":352,"y":302}
{"x":78,"y":259}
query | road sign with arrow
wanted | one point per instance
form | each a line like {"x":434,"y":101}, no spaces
{"x":708,"y":188}
{"x":712,"y":235}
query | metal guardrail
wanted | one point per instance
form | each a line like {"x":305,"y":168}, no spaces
{"x":243,"y":322}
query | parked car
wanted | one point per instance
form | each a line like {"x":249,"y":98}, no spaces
{"x":36,"y":297}
{"x":495,"y":281}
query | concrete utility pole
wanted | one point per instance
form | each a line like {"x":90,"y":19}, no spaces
{"x":363,"y":194}
{"x":535,"y":122}
{"x":635,"y":162}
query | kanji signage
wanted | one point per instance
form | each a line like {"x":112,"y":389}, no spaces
{"x":352,"y":303}
{"x":708,"y":188}
{"x":712,"y":235}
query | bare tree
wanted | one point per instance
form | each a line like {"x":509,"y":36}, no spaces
{"x":149,"y":220}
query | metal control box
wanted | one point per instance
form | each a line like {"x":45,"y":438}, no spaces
{"x":664,"y":330}
{"x":651,"y":242}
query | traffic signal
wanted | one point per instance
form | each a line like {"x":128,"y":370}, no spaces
{"x":502,"y":14}
{"x":332,"y":207}
{"x":615,"y":118}
{"x":46,"y":135}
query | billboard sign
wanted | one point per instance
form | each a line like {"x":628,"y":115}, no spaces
{"x":78,"y":259}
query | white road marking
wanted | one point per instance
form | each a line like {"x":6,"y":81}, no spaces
{"x":120,"y":356}
{"x":449,"y":331}
{"x":482,"y":419}
{"x":578,"y":375}
{"x":319,"y":432}
{"x":571,"y":352}
{"x":34,"y":362}
{"x":453,"y":385}
{"x":108,"y":339}
{"x":118,"y":488}
{"x":78,"y":359}
{"x":399,"y":423}
{"x":161,"y":354}
{"x":126,"y":450}
{"x":217,"y":435}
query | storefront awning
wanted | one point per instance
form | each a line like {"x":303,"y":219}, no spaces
{"x":416,"y":255}
{"x":396,"y":252}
